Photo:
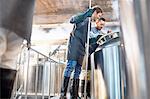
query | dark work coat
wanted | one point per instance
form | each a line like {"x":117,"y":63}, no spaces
{"x":16,"y":16}
{"x":78,"y":38}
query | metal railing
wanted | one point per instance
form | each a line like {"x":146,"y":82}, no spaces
{"x":39,"y":76}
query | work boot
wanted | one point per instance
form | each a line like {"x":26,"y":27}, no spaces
{"x":7,"y":79}
{"x":82,"y":87}
{"x":88,"y":89}
{"x":64,"y":88}
{"x":74,"y":89}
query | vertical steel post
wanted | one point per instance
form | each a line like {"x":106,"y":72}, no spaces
{"x":87,"y":52}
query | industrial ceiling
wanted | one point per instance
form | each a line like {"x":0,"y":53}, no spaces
{"x":59,"y":11}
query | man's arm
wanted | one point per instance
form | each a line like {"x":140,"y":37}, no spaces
{"x":82,"y":16}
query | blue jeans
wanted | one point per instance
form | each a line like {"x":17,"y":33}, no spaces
{"x":72,"y":65}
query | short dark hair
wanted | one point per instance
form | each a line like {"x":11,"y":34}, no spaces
{"x":101,"y":18}
{"x":98,"y":9}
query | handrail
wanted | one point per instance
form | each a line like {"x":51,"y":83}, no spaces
{"x":42,"y":73}
{"x":50,"y":59}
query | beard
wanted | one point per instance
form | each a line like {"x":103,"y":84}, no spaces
{"x":99,"y":28}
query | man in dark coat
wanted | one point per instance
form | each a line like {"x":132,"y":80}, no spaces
{"x":15,"y":25}
{"x":76,"y":49}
